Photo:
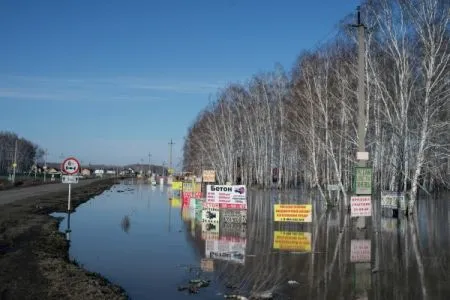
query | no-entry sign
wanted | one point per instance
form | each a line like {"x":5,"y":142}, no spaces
{"x":70,"y":166}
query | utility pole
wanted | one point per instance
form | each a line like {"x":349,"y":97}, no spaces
{"x":15,"y":162}
{"x":361,"y":87}
{"x":149,"y":160}
{"x":170,"y":155}
{"x":361,"y":222}
{"x":363,"y":175}
{"x":45,"y":164}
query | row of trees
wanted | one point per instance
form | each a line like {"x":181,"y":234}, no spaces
{"x":304,"y":125}
{"x":27,"y":153}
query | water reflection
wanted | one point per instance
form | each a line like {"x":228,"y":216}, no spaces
{"x":125,"y":224}
{"x":329,"y":258}
{"x":249,"y":254}
{"x":68,"y":230}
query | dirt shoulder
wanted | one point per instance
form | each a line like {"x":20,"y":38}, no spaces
{"x":34,"y":259}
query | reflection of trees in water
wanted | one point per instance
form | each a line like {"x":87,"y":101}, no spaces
{"x":271,"y":269}
{"x":414,"y":256}
{"x":125,"y":224}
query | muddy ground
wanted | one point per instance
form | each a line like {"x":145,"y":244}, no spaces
{"x":34,"y":259}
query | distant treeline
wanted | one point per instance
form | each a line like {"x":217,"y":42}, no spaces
{"x":27,"y":153}
{"x":302,"y":127}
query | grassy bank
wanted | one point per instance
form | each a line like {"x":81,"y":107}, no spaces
{"x":34,"y":260}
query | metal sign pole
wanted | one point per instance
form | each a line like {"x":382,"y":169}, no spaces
{"x":68,"y":204}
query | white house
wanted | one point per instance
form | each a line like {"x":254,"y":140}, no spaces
{"x":110,"y":172}
{"x":99,"y":172}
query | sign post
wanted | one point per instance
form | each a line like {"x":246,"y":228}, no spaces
{"x":70,"y":166}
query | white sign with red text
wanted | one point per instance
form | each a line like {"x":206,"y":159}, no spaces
{"x":361,"y":206}
{"x":226,"y":196}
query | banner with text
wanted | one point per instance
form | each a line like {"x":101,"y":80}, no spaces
{"x":209,"y":176}
{"x":224,"y":196}
{"x":393,"y":200}
{"x":177,"y":185}
{"x":361,"y":206}
{"x":293,"y":213}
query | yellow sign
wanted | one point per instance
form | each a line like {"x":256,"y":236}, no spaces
{"x":175,"y":202}
{"x":293,"y":213}
{"x":14,"y":165}
{"x":177,"y":185}
{"x":293,"y":241}
{"x":170,"y":170}
{"x":209,"y":176}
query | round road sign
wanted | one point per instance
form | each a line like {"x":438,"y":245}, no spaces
{"x":70,"y":166}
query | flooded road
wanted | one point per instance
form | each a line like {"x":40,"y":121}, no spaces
{"x":136,"y":237}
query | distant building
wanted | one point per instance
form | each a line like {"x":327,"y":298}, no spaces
{"x":110,"y":172}
{"x":99,"y":172}
{"x":52,"y":171}
{"x":86,"y":172}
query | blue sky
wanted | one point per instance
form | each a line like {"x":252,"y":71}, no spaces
{"x":111,"y":81}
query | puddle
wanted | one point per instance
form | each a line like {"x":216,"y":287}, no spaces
{"x":136,"y":237}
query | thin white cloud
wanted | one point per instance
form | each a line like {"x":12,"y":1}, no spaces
{"x":98,"y":89}
{"x":23,"y":94}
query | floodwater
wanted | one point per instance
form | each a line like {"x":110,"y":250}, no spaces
{"x":139,"y":239}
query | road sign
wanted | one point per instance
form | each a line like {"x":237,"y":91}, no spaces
{"x":69,"y":179}
{"x":14,"y":165}
{"x":70,"y":166}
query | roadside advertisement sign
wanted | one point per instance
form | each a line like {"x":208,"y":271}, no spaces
{"x":188,"y":187}
{"x":333,"y":187}
{"x":361,"y":206}
{"x":363,"y":181}
{"x":393,"y":200}
{"x":209,"y":176}
{"x":233,"y":216}
{"x":292,"y":241}
{"x":301,"y":213}
{"x":360,"y":251}
{"x":187,"y":196}
{"x":227,"y":196}
{"x":177,"y":185}
{"x":210,"y":215}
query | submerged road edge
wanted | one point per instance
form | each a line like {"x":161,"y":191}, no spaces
{"x":34,"y":254}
